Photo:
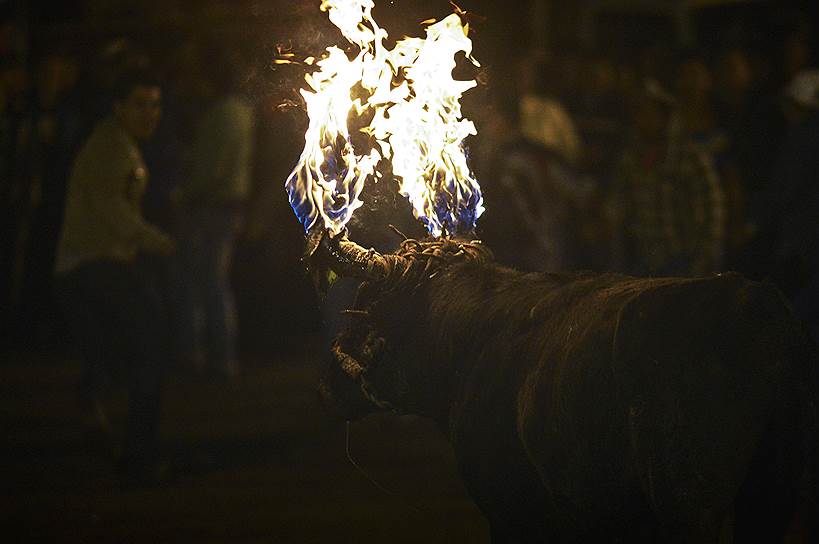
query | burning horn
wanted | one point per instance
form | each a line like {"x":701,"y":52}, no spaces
{"x":344,"y":257}
{"x":347,"y":258}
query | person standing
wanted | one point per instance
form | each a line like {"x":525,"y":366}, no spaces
{"x":667,"y":197}
{"x":793,"y":219}
{"x":211,"y":200}
{"x":113,"y":309}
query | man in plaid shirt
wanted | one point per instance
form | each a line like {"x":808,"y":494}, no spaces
{"x":668,"y":197}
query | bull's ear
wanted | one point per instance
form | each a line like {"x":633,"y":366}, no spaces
{"x":316,"y":262}
{"x":322,"y":281}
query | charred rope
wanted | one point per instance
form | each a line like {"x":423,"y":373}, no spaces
{"x":413,"y":258}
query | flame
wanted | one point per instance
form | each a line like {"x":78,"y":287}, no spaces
{"x":413,"y":104}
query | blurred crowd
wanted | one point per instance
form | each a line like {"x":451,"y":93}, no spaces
{"x":130,"y":178}
{"x":663,"y":162}
{"x":126,"y":180}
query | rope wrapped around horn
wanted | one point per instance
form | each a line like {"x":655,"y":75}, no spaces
{"x":346,"y":258}
{"x":411,"y":262}
{"x":350,"y":259}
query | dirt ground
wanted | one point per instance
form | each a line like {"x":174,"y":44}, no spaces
{"x":252,"y":461}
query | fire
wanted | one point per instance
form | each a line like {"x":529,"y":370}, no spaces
{"x":415,"y":124}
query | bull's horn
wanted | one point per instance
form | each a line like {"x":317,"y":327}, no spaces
{"x":350,"y":259}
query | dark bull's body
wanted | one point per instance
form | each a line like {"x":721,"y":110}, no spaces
{"x":592,"y":408}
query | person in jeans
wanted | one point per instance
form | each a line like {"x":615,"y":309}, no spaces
{"x":211,"y":202}
{"x":112,"y":308}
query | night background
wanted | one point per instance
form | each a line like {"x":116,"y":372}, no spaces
{"x":587,"y":95}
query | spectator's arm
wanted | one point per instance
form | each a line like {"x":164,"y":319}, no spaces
{"x":710,"y":257}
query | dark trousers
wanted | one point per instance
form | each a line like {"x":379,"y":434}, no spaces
{"x":115,"y":316}
{"x":206,"y":241}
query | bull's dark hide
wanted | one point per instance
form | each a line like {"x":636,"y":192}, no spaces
{"x":597,"y":408}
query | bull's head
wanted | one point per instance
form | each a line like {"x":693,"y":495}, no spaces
{"x":387,"y":359}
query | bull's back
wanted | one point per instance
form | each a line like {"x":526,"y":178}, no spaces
{"x":655,"y":396}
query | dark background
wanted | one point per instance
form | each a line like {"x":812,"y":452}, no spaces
{"x":259,"y":459}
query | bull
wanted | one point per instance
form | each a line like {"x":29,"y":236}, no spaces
{"x":588,"y":407}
